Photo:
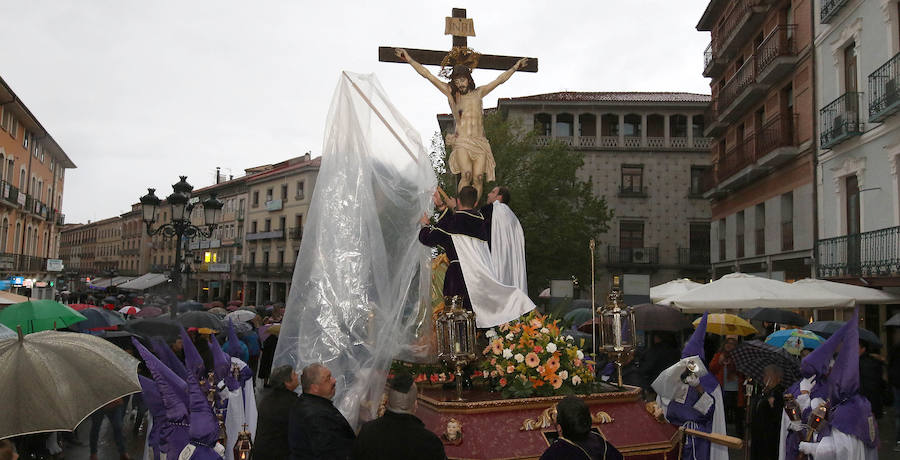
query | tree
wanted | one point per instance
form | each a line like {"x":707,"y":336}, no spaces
{"x":558,"y":211}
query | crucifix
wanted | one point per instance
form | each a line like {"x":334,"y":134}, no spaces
{"x":470,"y":155}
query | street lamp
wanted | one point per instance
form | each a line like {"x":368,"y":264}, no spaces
{"x":180,"y":227}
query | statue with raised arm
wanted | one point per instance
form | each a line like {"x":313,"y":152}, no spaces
{"x":470,"y":154}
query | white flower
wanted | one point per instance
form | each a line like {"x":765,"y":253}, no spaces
{"x":544,"y":330}
{"x":507,"y":353}
{"x":551,"y":347}
{"x":576,"y":380}
{"x":569,"y":338}
{"x":491,"y":333}
{"x":510,"y":336}
{"x":519,"y":358}
{"x":564,"y":375}
{"x":579,"y":354}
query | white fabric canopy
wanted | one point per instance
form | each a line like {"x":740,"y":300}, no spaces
{"x":862,"y":295}
{"x":671,"y":289}
{"x":145,"y":281}
{"x":8,"y":298}
{"x":739,"y":291}
{"x":7,"y":333}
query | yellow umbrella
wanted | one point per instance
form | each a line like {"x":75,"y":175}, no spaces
{"x":726,"y":324}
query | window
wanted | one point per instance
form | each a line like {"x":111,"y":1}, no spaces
{"x":253,"y":227}
{"x":678,"y":126}
{"x":699,"y":243}
{"x":850,"y":81}
{"x":722,"y":229}
{"x":787,"y":222}
{"x":255,"y":201}
{"x":252,"y":257}
{"x":759,"y":226}
{"x":542,"y":123}
{"x":631,"y":234}
{"x":281,"y":222}
{"x":697,"y":173}
{"x":632,"y":125}
{"x":698,"y":126}
{"x":284,"y":191}
{"x":565,"y":125}
{"x":268,"y":225}
{"x":300,"y":194}
{"x":26,"y":138}
{"x":269,"y":194}
{"x":632,"y":179}
{"x":281,"y":257}
{"x":739,"y":234}
{"x":609,"y":125}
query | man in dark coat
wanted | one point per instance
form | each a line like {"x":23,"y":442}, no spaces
{"x":576,"y":440}
{"x":464,"y":221}
{"x":398,"y":434}
{"x":318,"y":431}
{"x":274,"y":415}
{"x":871,"y":380}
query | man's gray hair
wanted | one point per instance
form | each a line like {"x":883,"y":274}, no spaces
{"x":311,"y":375}
{"x":280,"y":375}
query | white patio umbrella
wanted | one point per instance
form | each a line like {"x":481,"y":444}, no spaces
{"x":671,"y":289}
{"x":739,"y":291}
{"x":861,"y":294}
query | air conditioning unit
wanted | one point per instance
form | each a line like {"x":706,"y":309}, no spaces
{"x":640,"y":256}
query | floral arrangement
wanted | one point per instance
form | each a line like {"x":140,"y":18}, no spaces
{"x":423,"y":373}
{"x":529,"y":357}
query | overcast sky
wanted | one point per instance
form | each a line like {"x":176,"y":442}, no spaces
{"x":137,"y":92}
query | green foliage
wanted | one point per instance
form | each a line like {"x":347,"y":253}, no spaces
{"x":558,"y":211}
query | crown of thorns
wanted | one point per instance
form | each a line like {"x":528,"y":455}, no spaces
{"x":458,"y":56}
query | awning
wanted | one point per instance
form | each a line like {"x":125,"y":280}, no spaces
{"x":8,"y":298}
{"x":145,"y":281}
{"x":104,"y":283}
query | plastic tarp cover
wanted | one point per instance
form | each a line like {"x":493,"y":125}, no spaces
{"x":360,"y":291}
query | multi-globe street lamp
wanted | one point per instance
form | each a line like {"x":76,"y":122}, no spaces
{"x":180,"y":226}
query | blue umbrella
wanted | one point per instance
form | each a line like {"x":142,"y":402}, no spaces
{"x":794,"y":340}
{"x":98,"y":319}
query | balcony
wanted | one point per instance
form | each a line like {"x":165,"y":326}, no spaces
{"x":737,"y":25}
{"x":694,"y":257}
{"x":776,"y":55}
{"x":296,"y":233}
{"x":635,"y":257}
{"x":269,"y":235}
{"x":875,"y":253}
{"x":840,"y":120}
{"x":60,"y":219}
{"x":629,"y":142}
{"x":776,"y":141}
{"x":21,"y":264}
{"x":713,"y":66}
{"x":714,"y":125}
{"x":272,"y":268}
{"x":740,"y":92}
{"x":830,"y":9}
{"x":633,"y":191}
{"x":884,"y":90}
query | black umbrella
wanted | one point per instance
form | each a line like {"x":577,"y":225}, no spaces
{"x":154,"y":327}
{"x":827,"y":328}
{"x":110,"y":299}
{"x":98,"y":318}
{"x":201,"y":319}
{"x":894,"y":321}
{"x":653,"y":317}
{"x":753,"y":356}
{"x":190,"y":305}
{"x":773,"y":315}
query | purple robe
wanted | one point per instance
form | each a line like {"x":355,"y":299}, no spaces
{"x":173,"y":392}
{"x":204,"y":431}
{"x":851,"y":413}
{"x":685,"y":415}
{"x":157,"y":413}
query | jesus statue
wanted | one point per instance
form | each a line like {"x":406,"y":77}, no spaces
{"x":470,"y":154}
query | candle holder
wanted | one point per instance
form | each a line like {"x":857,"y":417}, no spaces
{"x":244,"y":445}
{"x":456,"y":339}
{"x":617,"y":329}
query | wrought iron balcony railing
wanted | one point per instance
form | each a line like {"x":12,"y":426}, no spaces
{"x":884,"y":90}
{"x":775,"y":133}
{"x":840,"y":120}
{"x":637,"y":191}
{"x":21,"y":263}
{"x":830,"y":9}
{"x":779,"y":43}
{"x":296,"y":233}
{"x":741,"y":80}
{"x":875,"y":253}
{"x":628,"y":256}
{"x":708,"y":55}
{"x":693,"y":256}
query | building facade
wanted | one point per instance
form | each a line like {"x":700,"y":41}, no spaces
{"x":646,"y":154}
{"x":109,"y":243}
{"x":135,"y":252}
{"x":32,"y":177}
{"x":858,"y":96}
{"x":762,"y":120}
{"x":278,"y":201}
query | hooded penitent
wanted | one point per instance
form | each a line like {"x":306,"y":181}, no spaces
{"x":241,"y":402}
{"x":168,"y":357}
{"x":851,"y":412}
{"x":157,"y":413}
{"x":192,"y":359}
{"x":173,"y":394}
{"x":204,"y":431}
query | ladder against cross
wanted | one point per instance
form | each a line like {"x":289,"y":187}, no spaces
{"x":460,"y":27}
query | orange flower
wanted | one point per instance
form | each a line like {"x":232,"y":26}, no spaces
{"x":536,"y":382}
{"x":553,"y":362}
{"x":532,"y":360}
{"x":503,"y":382}
{"x":556,"y":381}
{"x":497,"y":346}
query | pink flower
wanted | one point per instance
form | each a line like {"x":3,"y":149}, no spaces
{"x":532,"y":360}
{"x":510,"y":369}
{"x":503,"y":382}
{"x":538,"y":349}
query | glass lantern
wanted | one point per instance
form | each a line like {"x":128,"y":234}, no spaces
{"x":456,"y":338}
{"x":617,"y":330}
{"x":243,"y":446}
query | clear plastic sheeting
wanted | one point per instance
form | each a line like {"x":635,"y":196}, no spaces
{"x":360,"y":292}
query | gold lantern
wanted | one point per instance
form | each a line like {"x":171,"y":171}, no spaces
{"x":456,"y":338}
{"x":617,"y":330}
{"x":243,"y":446}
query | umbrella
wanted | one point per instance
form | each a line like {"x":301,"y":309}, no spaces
{"x":6,"y":333}
{"x":149,"y":312}
{"x":39,"y":384}
{"x":826,"y":328}
{"x":154,"y":327}
{"x":39,"y":315}
{"x":753,"y":356}
{"x":219,"y":311}
{"x":726,"y":324}
{"x":8,"y":298}
{"x":862,"y":295}
{"x":216,"y":303}
{"x":129,"y":310}
{"x":740,"y":291}
{"x":545,"y":294}
{"x":773,"y":315}
{"x":236,"y":303}
{"x":80,"y":306}
{"x":653,"y":317}
{"x":894,"y":321}
{"x":110,"y":299}
{"x":240,"y":316}
{"x":242,"y":328}
{"x":577,"y":316}
{"x":201,"y":319}
{"x":672,"y":288}
{"x":794,"y":340}
{"x":190,"y":305}
{"x":98,"y":318}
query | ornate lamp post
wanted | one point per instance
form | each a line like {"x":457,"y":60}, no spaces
{"x":180,"y":227}
{"x":617,"y":331}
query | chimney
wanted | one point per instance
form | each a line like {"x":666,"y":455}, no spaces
{"x":231,"y":177}
{"x":217,"y":174}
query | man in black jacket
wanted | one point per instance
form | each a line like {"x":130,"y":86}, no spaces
{"x":274,"y":414}
{"x":398,"y":434}
{"x":317,"y":429}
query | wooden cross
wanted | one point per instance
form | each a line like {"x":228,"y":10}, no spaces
{"x":460,"y":27}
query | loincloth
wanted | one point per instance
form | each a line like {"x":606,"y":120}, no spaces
{"x":473,"y":148}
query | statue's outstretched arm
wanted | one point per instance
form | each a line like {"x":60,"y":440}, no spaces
{"x":441,"y":86}
{"x":503,"y":77}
